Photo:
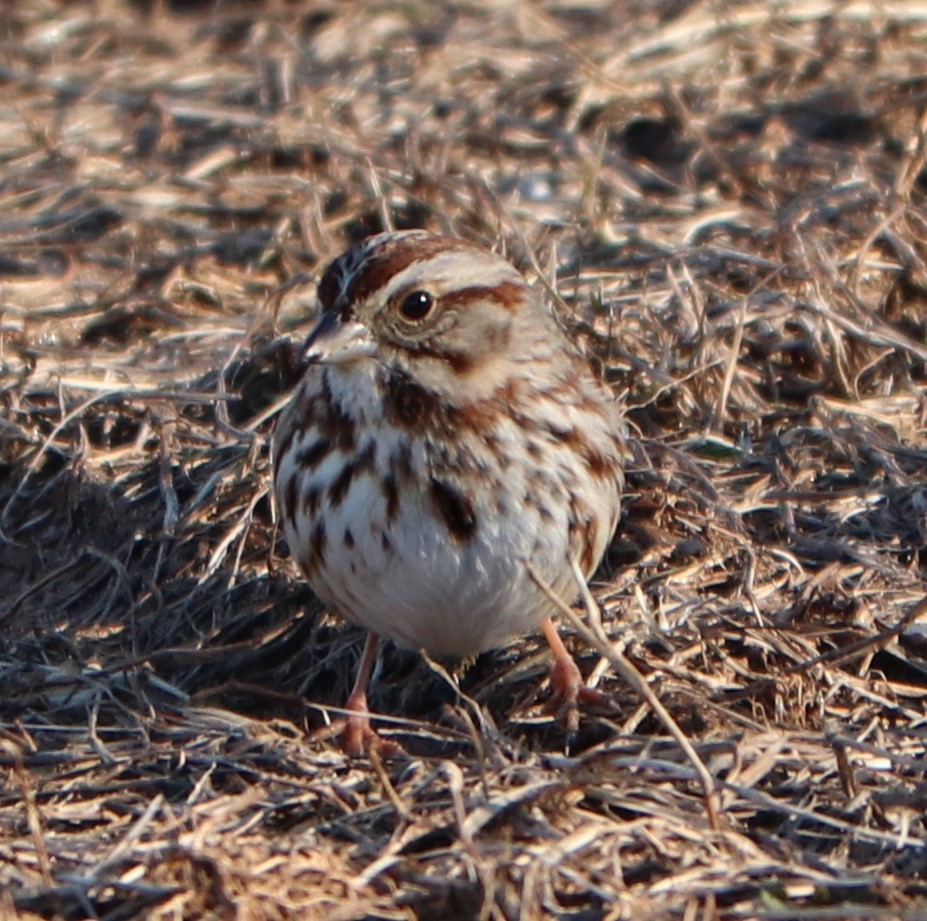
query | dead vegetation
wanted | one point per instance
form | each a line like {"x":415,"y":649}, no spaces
{"x":729,"y":200}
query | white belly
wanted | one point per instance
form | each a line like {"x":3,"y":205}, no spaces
{"x":412,"y":581}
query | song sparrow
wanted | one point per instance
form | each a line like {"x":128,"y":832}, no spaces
{"x":445,"y":433}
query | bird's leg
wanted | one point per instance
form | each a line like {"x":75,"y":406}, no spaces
{"x":357,"y":733}
{"x":567,"y":680}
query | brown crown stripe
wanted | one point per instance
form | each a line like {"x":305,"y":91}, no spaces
{"x":389,"y":258}
{"x":455,"y":509}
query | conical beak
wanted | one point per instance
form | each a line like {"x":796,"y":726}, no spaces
{"x":337,"y":341}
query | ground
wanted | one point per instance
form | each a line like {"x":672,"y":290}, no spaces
{"x":727,"y":203}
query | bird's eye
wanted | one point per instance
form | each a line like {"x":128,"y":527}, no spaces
{"x":417,"y":305}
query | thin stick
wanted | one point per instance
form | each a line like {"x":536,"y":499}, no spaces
{"x":627,"y":670}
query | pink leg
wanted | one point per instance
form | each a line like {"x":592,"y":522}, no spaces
{"x":567,"y":680}
{"x":358,"y":734}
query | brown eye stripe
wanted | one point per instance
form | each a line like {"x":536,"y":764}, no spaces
{"x":507,"y":294}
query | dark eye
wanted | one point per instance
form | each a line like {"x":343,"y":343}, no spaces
{"x":417,"y":305}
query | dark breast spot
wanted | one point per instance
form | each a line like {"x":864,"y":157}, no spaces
{"x":481,"y":417}
{"x":596,"y":462}
{"x":599,"y":465}
{"x":308,"y":408}
{"x":340,"y":485}
{"x":363,"y":462}
{"x":455,"y":510}
{"x":311,"y":501}
{"x":289,"y":498}
{"x":317,"y":542}
{"x":582,"y":528}
{"x":587,"y":560}
{"x":286,"y":435}
{"x":367,"y":456}
{"x":314,"y":454}
{"x":391,"y":491}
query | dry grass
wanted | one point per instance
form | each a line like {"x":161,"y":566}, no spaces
{"x":730,"y":201}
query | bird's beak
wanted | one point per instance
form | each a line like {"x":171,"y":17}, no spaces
{"x":337,"y":341}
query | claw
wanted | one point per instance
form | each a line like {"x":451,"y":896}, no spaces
{"x":567,"y":681}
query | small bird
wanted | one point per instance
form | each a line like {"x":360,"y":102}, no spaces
{"x":445,"y":434}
